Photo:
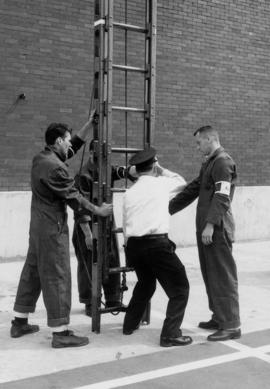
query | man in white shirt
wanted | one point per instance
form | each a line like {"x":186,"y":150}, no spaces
{"x":148,"y":249}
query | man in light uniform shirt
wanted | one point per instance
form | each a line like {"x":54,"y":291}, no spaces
{"x":148,"y":249}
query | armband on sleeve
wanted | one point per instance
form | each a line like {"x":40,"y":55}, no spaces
{"x":223,"y":187}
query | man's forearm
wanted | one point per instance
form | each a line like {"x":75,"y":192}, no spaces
{"x":83,"y":133}
{"x":186,"y":197}
{"x":86,"y":229}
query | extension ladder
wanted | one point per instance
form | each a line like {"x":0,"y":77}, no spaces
{"x":118,"y":121}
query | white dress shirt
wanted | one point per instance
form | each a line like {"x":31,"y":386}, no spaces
{"x":145,"y":204}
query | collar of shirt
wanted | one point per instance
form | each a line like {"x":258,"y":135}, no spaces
{"x":215,"y":153}
{"x":51,"y":148}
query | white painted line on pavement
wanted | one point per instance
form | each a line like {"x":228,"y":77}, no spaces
{"x":243,"y":352}
{"x":258,"y":352}
{"x":264,"y":349}
{"x":160,"y":373}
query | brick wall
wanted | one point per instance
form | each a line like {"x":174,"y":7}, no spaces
{"x":213,"y":67}
{"x":46,"y":53}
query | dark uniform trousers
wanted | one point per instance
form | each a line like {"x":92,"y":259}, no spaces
{"x":47,"y":266}
{"x":217,"y":263}
{"x":219,"y":273}
{"x":154,"y":259}
{"x":111,"y":287}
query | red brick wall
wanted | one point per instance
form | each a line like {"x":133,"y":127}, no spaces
{"x":213,"y":67}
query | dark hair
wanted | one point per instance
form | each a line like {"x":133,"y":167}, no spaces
{"x":54,"y":131}
{"x":206,"y":130}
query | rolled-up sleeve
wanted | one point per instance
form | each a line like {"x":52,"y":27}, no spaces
{"x":76,"y":144}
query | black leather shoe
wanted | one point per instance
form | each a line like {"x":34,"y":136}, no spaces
{"x":221,"y":335}
{"x":18,"y":330}
{"x":68,"y":340}
{"x":209,"y":325}
{"x":170,"y":342}
{"x":130,"y":331}
{"x":88,"y":310}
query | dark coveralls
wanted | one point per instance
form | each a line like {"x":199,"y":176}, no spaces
{"x":47,"y":265}
{"x":84,"y":182}
{"x":217,"y":263}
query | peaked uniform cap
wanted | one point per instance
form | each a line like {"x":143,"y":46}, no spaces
{"x":144,"y":157}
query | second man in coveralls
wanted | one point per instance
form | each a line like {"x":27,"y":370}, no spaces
{"x":215,"y":233}
{"x":82,"y":241}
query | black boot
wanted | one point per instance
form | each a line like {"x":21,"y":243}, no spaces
{"x":68,"y":339}
{"x":20,"y":328}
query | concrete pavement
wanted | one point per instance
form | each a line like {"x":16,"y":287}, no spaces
{"x":113,"y":360}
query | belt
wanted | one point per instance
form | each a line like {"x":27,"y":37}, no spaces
{"x":150,"y":236}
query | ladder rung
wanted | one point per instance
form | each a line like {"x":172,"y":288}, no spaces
{"x":130,"y":68}
{"x":122,"y":269}
{"x":124,"y":150}
{"x":117,"y":230}
{"x":113,"y":309}
{"x":130,"y":109}
{"x":118,"y":190}
{"x":131,"y":27}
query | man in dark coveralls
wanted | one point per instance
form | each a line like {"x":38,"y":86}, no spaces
{"x":47,"y":265}
{"x":214,"y":188}
{"x":82,"y":241}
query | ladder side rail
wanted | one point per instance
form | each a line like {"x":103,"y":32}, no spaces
{"x":98,"y":223}
{"x":108,"y":105}
{"x":152,"y":61}
{"x":109,"y":244}
{"x":150,"y":77}
{"x":149,"y":92}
